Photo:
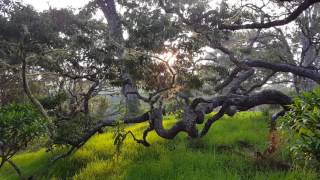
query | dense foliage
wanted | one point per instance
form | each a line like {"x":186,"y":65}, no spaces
{"x":20,"y":124}
{"x":304,"y":119}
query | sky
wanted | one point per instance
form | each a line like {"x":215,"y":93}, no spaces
{"x":45,"y":4}
{"x":41,"y":5}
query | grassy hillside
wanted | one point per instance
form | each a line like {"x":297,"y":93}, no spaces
{"x":227,"y":152}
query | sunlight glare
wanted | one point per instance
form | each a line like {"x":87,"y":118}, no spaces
{"x":169,"y":57}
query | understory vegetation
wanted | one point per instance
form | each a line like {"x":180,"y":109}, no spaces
{"x":303,"y":123}
{"x":230,"y":151}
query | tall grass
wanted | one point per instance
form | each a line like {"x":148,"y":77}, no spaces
{"x":227,"y":152}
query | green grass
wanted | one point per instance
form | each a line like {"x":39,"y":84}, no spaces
{"x":227,"y":152}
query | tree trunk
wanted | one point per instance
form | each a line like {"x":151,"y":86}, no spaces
{"x":116,"y":35}
{"x":309,"y":54}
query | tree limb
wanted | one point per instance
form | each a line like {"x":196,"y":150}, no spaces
{"x":294,"y":15}
{"x":283,"y":67}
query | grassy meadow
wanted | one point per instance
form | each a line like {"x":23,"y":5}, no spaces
{"x":227,"y":152}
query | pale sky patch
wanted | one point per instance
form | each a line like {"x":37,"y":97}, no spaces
{"x":41,"y":5}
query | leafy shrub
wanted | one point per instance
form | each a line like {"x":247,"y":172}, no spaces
{"x":19,"y":125}
{"x":52,"y":101}
{"x":70,"y":130}
{"x":304,"y":120}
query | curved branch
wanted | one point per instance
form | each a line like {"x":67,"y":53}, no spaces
{"x":213,"y":119}
{"x":233,"y":103}
{"x":140,"y":141}
{"x":230,"y":104}
{"x":156,"y":116}
{"x":277,"y":115}
{"x":27,"y":90}
{"x":15,"y":167}
{"x":61,"y":156}
{"x":228,"y":52}
{"x":283,"y":67}
{"x":104,"y":123}
{"x":108,"y":122}
{"x":294,"y":15}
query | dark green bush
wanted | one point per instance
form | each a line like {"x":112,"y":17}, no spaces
{"x":19,"y":125}
{"x":72,"y":129}
{"x":304,"y":122}
{"x":52,"y":101}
